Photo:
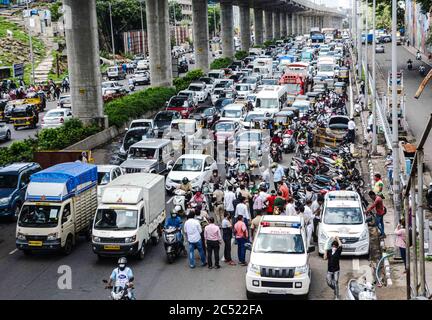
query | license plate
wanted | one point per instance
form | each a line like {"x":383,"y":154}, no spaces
{"x":276,"y":291}
{"x":35,"y":243}
{"x":112,"y":247}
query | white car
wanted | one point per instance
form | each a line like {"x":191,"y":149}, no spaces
{"x":196,"y":167}
{"x":143,"y":123}
{"x":141,"y":78}
{"x":252,"y":81}
{"x":106,"y":174}
{"x":111,"y":84}
{"x":233,"y":112}
{"x":247,"y":122}
{"x":216,"y":94}
{"x":190,"y":94}
{"x":200,"y":89}
{"x":343,"y":216}
{"x":243,"y":90}
{"x":56,"y":117}
{"x":279,"y":259}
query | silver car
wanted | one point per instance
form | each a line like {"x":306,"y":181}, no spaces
{"x":5,"y":133}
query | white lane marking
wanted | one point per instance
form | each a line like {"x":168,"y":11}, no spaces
{"x":356,"y":264}
{"x":169,"y":201}
{"x":13,"y":251}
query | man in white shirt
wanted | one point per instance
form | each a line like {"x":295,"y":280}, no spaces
{"x":351,"y":130}
{"x":229,"y":197}
{"x":243,"y":210}
{"x":316,"y":208}
{"x":192,"y":230}
{"x":290,"y":208}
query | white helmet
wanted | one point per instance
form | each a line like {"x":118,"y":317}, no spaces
{"x":177,"y":209}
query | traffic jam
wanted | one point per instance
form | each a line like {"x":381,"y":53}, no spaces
{"x":261,"y":149}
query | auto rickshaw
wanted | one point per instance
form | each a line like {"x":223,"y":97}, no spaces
{"x":292,"y":112}
{"x":290,"y":99}
{"x":25,"y":115}
{"x":283,"y":118}
{"x":3,"y":104}
{"x":340,"y":87}
{"x":10,"y":106}
{"x":343,"y":74}
{"x":313,"y":97}
{"x":37,"y":99}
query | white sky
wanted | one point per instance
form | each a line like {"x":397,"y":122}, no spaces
{"x":335,"y":3}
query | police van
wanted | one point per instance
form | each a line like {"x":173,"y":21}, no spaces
{"x":279,"y":260}
{"x":343,"y":216}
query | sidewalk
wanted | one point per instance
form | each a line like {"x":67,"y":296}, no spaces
{"x":413,"y":51}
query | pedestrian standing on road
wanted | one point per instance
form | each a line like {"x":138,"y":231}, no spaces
{"x":242,"y":210}
{"x":255,"y":224}
{"x":400,"y":241}
{"x":333,"y":269}
{"x":282,"y":187}
{"x":380,"y":211}
{"x":270,"y":202}
{"x":362,"y":87}
{"x":278,"y":173}
{"x":316,"y":208}
{"x":218,"y":196}
{"x":351,"y":130}
{"x":229,"y":197}
{"x":213,"y":239}
{"x":279,"y":204}
{"x":241,"y":234}
{"x":290,"y":208}
{"x":370,"y":121}
{"x":379,"y":185}
{"x":227,"y":233}
{"x":258,"y":203}
{"x":193,"y":231}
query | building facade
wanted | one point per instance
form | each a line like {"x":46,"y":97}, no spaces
{"x":417,"y":26}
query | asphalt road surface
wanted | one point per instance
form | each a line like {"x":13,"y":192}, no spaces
{"x":417,"y":111}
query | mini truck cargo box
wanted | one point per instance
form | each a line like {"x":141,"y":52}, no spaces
{"x":130,"y":214}
{"x":60,"y":204}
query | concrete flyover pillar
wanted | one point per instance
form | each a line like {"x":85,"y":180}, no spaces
{"x":294,"y":19}
{"x":299,"y":24}
{"x":268,"y":25}
{"x":276,"y":25}
{"x":259,"y":26}
{"x":159,"y":42}
{"x":200,"y":34}
{"x":283,"y":24}
{"x":227,"y":23}
{"x":83,"y":60}
{"x":245,"y":33}
{"x":289,"y":24}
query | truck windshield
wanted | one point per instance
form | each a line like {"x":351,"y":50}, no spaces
{"x":343,"y":216}
{"x":8,"y":181}
{"x":267,"y":103}
{"x":279,"y":243}
{"x":39,"y":216}
{"x":293,"y":88}
{"x":116,"y":219}
{"x":326,"y":68}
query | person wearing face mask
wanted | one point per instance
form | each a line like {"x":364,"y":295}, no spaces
{"x":215,"y":178}
{"x":121,"y":276}
{"x":175,"y":221}
{"x":333,"y":269}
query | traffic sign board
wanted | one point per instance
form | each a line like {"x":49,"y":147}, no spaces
{"x":18,"y":70}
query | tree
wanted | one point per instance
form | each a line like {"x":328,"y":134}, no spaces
{"x":175,"y":10}
{"x":55,"y":11}
{"x":212,"y":11}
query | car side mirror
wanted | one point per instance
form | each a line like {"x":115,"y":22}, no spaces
{"x":207,"y":168}
{"x":311,"y":249}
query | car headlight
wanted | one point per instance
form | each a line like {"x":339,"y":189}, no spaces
{"x":4,"y":201}
{"x":255,"y":269}
{"x":364,"y":234}
{"x":300,"y":271}
{"x":96,"y":239}
{"x":130,"y":239}
{"x":52,"y":236}
{"x":20,"y":236}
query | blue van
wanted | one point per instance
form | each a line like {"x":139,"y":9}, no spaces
{"x":14,"y":179}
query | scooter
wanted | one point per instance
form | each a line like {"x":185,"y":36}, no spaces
{"x":132,"y":87}
{"x":357,"y":290}
{"x":418,"y":56}
{"x":120,"y":293}
{"x":179,"y":199}
{"x":288,"y":143}
{"x":173,"y":246}
{"x":422,"y":71}
{"x":409,"y":65}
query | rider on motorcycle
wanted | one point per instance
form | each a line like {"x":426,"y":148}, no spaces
{"x":186,"y":187}
{"x":409,"y":63}
{"x":175,"y":221}
{"x":215,"y":178}
{"x":121,"y":276}
{"x":277,"y":139}
{"x":418,"y":55}
{"x":198,"y":198}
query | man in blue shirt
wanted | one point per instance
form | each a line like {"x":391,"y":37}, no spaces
{"x":175,"y":221}
{"x":278,"y":173}
{"x":122,"y":276}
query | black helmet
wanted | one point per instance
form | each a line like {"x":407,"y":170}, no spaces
{"x":185,"y":180}
{"x":122,"y":263}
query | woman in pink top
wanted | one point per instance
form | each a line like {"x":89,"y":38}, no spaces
{"x":400,"y":240}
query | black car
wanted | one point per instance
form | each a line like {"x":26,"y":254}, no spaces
{"x":207,"y":115}
{"x":222,"y":102}
{"x":162,"y":121}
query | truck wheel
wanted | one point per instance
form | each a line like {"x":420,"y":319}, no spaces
{"x":67,"y":249}
{"x":141,"y":252}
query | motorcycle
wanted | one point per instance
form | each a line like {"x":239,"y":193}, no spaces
{"x":360,"y":291}
{"x":231,"y":167}
{"x":422,"y":71}
{"x":173,"y":245}
{"x":288,"y":143}
{"x":131,"y":87}
{"x":275,"y":153}
{"x":409,"y":65}
{"x":418,"y":56}
{"x":179,"y":199}
{"x":120,"y":293}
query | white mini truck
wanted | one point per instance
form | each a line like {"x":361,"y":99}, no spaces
{"x":60,"y":204}
{"x":130,"y":215}
{"x":279,"y":260}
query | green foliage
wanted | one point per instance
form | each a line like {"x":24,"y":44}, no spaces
{"x":119,"y":111}
{"x":268,"y":43}
{"x":181,"y":83}
{"x":47,"y":139}
{"x":258,"y":46}
{"x":212,"y":11}
{"x":59,"y":138}
{"x":55,"y":11}
{"x":240,"y":55}
{"x":220,"y":63}
{"x":174,"y":10}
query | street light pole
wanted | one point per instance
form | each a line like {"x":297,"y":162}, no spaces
{"x":359,"y":40}
{"x":366,"y":95}
{"x":31,"y":46}
{"x":395,"y":125}
{"x":112,"y":32}
{"x":374,"y":112}
{"x":142,"y":29}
